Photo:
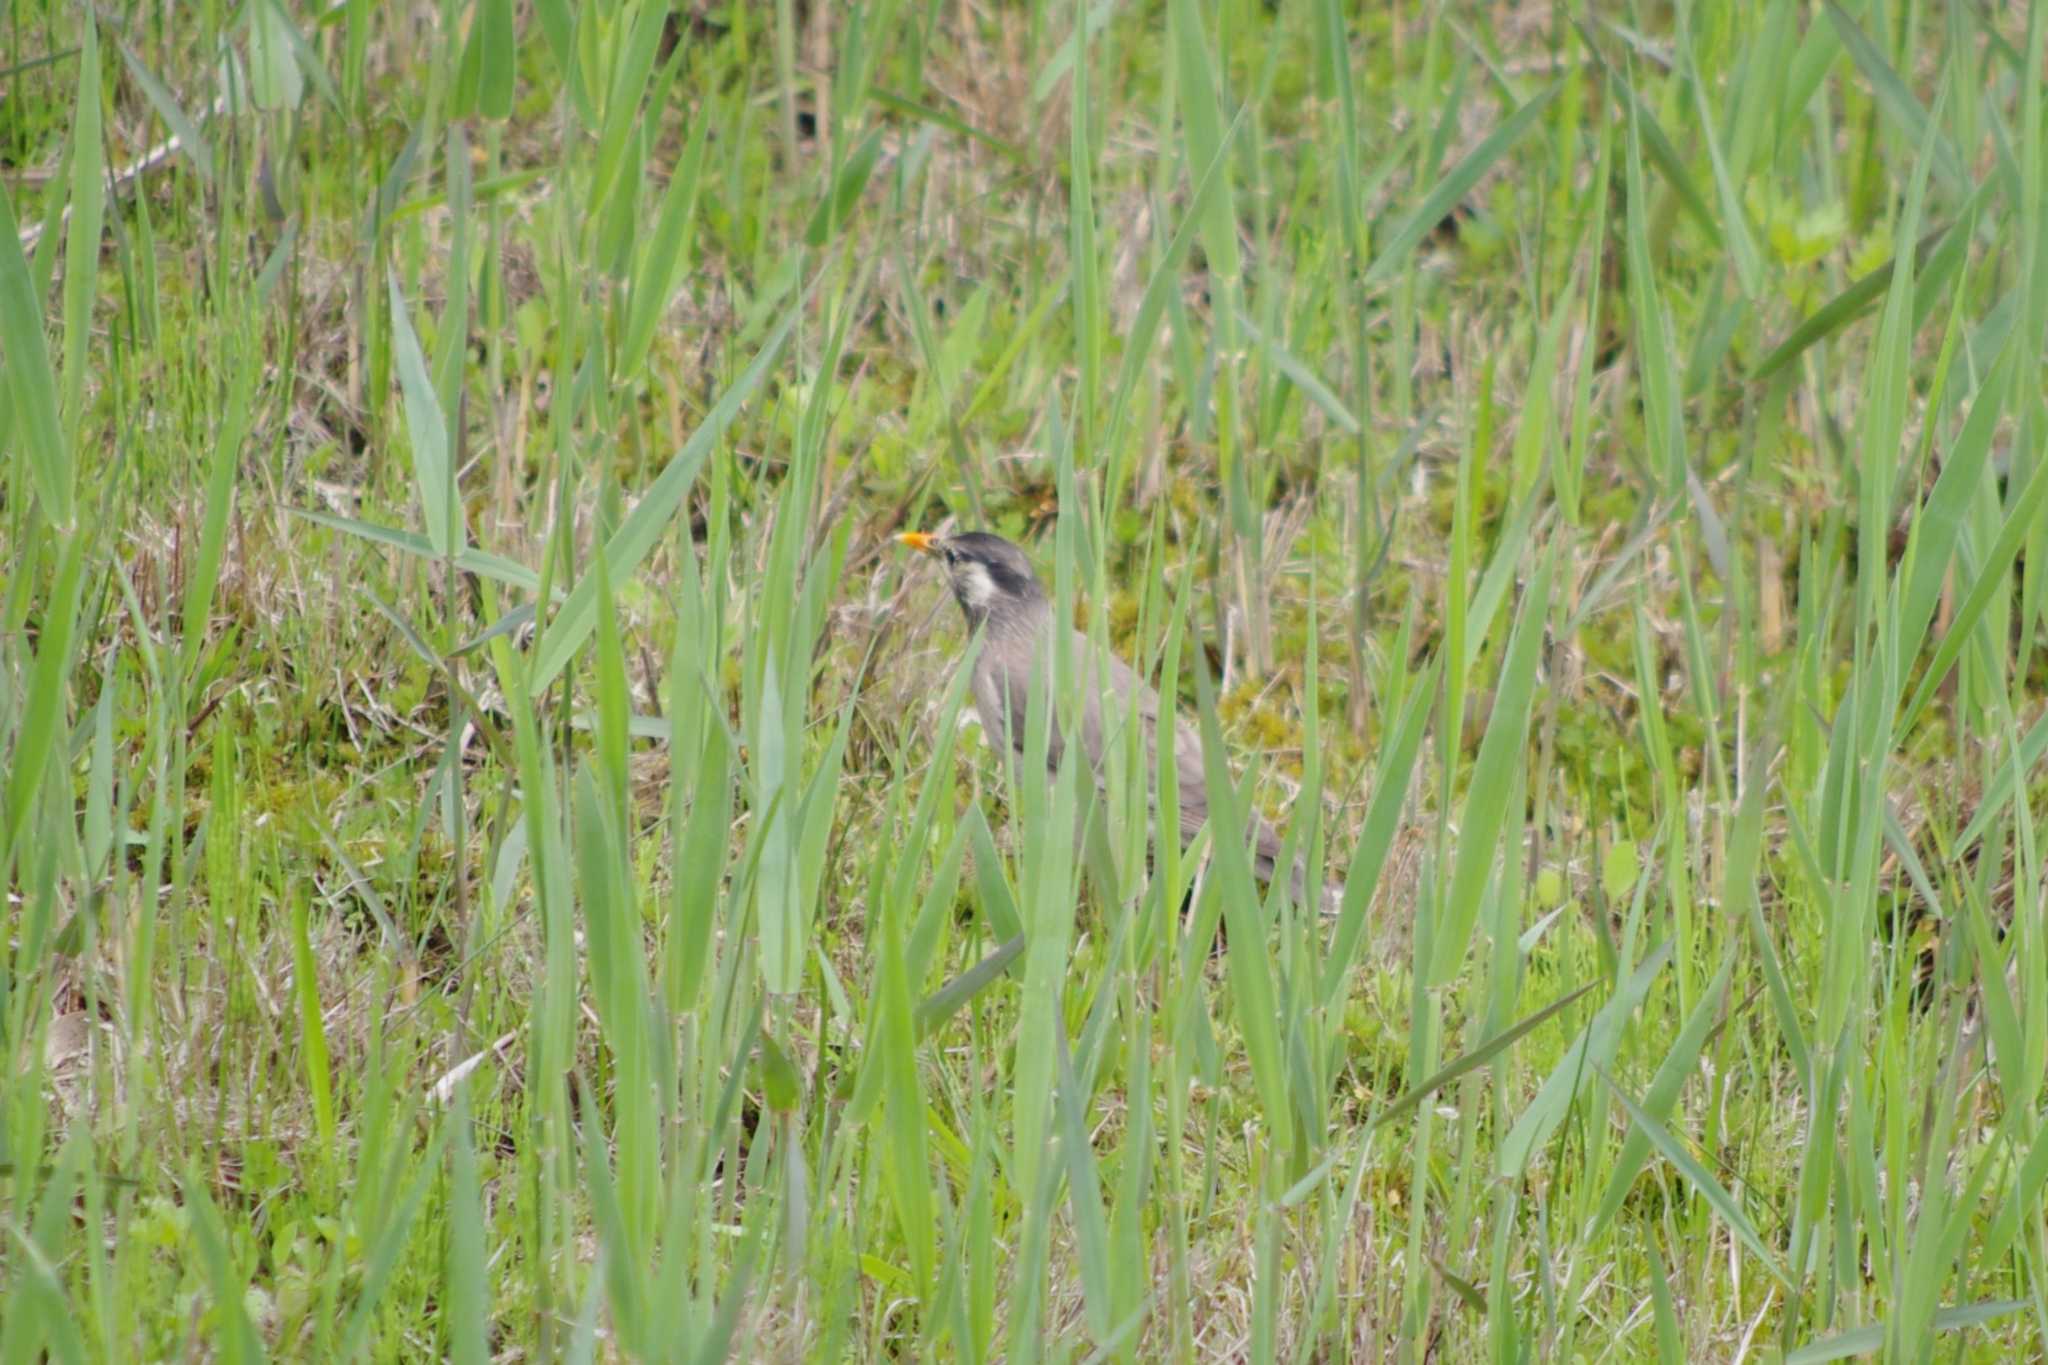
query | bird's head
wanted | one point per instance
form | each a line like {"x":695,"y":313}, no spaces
{"x":991,"y":579}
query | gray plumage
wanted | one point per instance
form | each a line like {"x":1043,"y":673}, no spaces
{"x":1000,"y":595}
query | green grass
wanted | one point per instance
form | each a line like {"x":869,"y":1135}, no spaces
{"x":494,"y":869}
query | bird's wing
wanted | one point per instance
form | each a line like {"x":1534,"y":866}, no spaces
{"x":1122,"y":685}
{"x":1191,"y":787}
{"x":1002,"y":694}
{"x":1002,"y":698}
{"x":1115,"y":688}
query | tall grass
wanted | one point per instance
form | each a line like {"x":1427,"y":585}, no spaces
{"x":497,"y":858}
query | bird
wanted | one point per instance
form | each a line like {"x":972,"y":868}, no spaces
{"x":1001,"y":597}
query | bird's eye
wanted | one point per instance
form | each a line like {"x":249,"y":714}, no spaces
{"x":952,"y":555}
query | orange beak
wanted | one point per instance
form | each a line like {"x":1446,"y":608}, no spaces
{"x":917,"y":540}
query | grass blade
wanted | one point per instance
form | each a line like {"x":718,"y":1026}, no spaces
{"x":1402,"y":238}
{"x":643,"y":526}
{"x":427,"y":428}
{"x":1697,"y":1176}
{"x":1486,"y":800}
{"x":1862,"y":1341}
{"x":42,"y":716}
{"x":950,"y":998}
{"x":82,"y":241}
{"x":1478,"y":1056}
{"x":32,"y":384}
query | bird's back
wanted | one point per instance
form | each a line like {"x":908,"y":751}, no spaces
{"x":1002,"y":693}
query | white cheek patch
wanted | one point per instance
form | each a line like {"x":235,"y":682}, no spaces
{"x":979,"y":587}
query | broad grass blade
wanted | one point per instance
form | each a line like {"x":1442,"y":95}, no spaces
{"x":1486,"y":799}
{"x":30,"y":381}
{"x":427,"y":428}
